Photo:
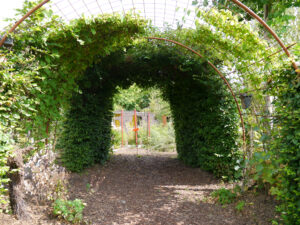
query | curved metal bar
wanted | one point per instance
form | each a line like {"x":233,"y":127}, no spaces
{"x":219,"y":73}
{"x":236,"y":2}
{"x":22,"y":19}
{"x":269,"y":29}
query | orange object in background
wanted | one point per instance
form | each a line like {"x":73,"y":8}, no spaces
{"x":136,"y":129}
{"x":164,"y":120}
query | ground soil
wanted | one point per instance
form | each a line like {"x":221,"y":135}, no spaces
{"x":152,"y":188}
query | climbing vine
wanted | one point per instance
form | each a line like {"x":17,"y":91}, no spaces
{"x":39,"y":71}
{"x":75,"y":68}
{"x":285,"y":144}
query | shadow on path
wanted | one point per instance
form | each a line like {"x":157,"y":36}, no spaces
{"x":153,"y":188}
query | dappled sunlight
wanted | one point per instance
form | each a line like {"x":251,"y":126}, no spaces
{"x":150,"y":188}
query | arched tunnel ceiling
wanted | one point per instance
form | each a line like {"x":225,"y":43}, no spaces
{"x":160,"y":12}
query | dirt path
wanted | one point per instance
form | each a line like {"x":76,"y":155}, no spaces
{"x":150,"y":189}
{"x":156,"y":188}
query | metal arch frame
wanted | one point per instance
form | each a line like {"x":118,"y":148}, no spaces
{"x":269,"y":29}
{"x":237,"y":2}
{"x":22,"y":19}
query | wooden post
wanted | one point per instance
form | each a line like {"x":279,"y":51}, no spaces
{"x":164,"y":120}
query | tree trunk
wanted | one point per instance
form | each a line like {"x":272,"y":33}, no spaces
{"x":267,"y":8}
{"x":16,"y":185}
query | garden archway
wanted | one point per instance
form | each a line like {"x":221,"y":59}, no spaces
{"x":234,"y":2}
{"x":238,"y":51}
{"x":204,"y":113}
{"x":55,"y":39}
{"x":187,"y":12}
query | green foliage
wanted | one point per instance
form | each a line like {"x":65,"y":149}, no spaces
{"x":5,"y":153}
{"x":39,"y":75}
{"x":266,"y":169}
{"x":132,"y":98}
{"x":86,"y":134}
{"x":265,"y":8}
{"x":158,"y":105}
{"x":204,"y":113}
{"x":162,"y":137}
{"x":240,"y":206}
{"x":70,"y":211}
{"x":116,"y":139}
{"x":60,"y":55}
{"x":286,"y":144}
{"x":224,"y":196}
{"x":54,"y":67}
{"x":277,"y":168}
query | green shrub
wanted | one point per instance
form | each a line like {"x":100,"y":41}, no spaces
{"x":86,"y":135}
{"x":240,"y":206}
{"x":266,"y":169}
{"x":162,"y":137}
{"x":132,"y":98}
{"x":286,"y":145}
{"x":116,"y":138}
{"x":70,"y":211}
{"x":277,"y":169}
{"x":224,"y":196}
{"x":5,"y":152}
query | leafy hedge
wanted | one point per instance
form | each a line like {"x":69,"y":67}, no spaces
{"x":205,"y":117}
{"x":5,"y":152}
{"x":287,"y":145}
{"x":162,"y":137}
{"x":87,"y":127}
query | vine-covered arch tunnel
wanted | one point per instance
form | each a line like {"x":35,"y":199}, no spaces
{"x":204,"y":113}
{"x":52,"y":48}
{"x":235,"y":2}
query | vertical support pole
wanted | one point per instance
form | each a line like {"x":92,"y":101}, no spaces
{"x":135,"y":129}
{"x":122,"y":141}
{"x":164,"y":120}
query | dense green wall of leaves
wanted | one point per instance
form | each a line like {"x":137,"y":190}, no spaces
{"x":86,"y":136}
{"x":205,"y":116}
{"x":286,"y":144}
{"x":6,"y":148}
